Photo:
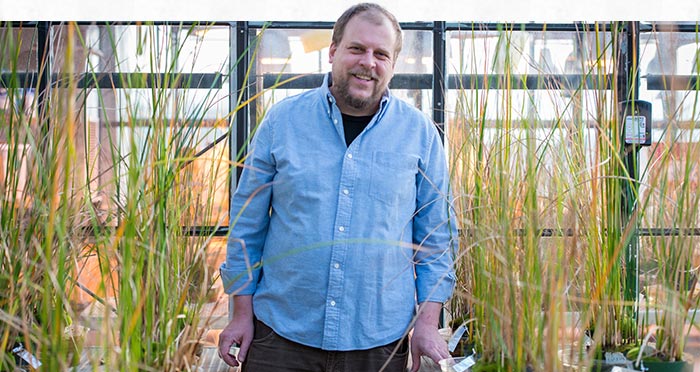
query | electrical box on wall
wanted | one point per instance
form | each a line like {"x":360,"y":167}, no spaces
{"x":635,"y":118}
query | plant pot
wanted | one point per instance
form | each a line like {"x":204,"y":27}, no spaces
{"x":680,"y":366}
{"x":571,"y":362}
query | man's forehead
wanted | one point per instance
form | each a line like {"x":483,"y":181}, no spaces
{"x":377,"y":20}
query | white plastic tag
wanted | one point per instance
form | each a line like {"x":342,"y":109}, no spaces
{"x":465,"y":364}
{"x":27,"y":356}
{"x":635,"y":129}
{"x":454,"y":340}
{"x":622,"y":369}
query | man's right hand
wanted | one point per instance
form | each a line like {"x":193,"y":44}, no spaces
{"x":239,"y":331}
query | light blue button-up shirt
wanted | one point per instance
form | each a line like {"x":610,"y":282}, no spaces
{"x":338,"y":244}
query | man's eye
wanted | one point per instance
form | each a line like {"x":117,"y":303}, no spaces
{"x":383,"y":56}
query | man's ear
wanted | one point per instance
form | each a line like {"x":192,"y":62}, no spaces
{"x":331,"y":52}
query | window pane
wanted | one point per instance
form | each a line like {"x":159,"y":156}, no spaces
{"x":127,"y":123}
{"x":668,"y":168}
{"x":503,"y":127}
{"x":483,"y":59}
{"x":18,"y":58}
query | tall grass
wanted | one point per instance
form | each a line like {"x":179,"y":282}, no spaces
{"x":540,"y":201}
{"x":669,"y":200}
{"x":117,"y":199}
{"x":89,"y":190}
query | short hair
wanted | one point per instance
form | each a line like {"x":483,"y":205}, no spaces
{"x":374,"y":11}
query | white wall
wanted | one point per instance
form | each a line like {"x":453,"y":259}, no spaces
{"x":328,"y":10}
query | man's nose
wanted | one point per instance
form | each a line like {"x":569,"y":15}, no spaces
{"x":367,"y":59}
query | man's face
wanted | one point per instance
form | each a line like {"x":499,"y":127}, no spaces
{"x":363,"y":64}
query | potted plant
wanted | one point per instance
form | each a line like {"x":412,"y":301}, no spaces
{"x":513,"y":178}
{"x":52,"y":169}
{"x":671,"y":279}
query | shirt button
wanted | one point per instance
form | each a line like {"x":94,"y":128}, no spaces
{"x":335,"y":121}
{"x":349,"y":156}
{"x":346,"y":191}
{"x":336,"y":265}
{"x":332,"y":303}
{"x":341,"y":228}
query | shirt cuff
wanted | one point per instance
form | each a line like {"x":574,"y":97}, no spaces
{"x":436,"y":290}
{"x":239,"y":282}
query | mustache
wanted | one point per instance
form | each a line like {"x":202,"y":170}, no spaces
{"x":364,"y":72}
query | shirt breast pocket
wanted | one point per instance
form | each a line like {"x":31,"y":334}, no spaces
{"x":393,"y":177}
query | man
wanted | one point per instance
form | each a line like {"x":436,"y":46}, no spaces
{"x":341,"y":221}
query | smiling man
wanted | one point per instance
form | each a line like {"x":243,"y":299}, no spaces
{"x":342,"y":238}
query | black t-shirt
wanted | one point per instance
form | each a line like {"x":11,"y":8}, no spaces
{"x":353,"y":126}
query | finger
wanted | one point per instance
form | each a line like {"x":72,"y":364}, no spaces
{"x":229,"y":359}
{"x":416,"y":362}
{"x":444,"y":354}
{"x":224,"y":354}
{"x":439,"y":354}
{"x":241,"y":351}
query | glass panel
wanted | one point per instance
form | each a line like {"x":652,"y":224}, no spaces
{"x":478,"y":54}
{"x":19,"y":49}
{"x":501,"y":129}
{"x":201,"y":182}
{"x":416,"y":55}
{"x":121,"y":130}
{"x":668,"y":168}
{"x":17,"y":91}
{"x":668,"y":277}
{"x":520,"y":52}
{"x":18,"y":118}
{"x":422,"y":99}
{"x":172,"y":50}
{"x":215,"y":310}
{"x":670,"y":176}
{"x":667,"y":54}
{"x":564,"y":160}
{"x":306,"y":51}
{"x":98,"y":284}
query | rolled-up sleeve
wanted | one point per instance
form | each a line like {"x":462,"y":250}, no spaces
{"x":250,"y":215}
{"x":434,"y":228}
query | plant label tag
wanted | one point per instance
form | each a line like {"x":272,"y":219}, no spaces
{"x":454,"y":340}
{"x":465,"y":364}
{"x":27,"y":356}
{"x":635,"y":129}
{"x":233,"y":351}
{"x":622,"y":369}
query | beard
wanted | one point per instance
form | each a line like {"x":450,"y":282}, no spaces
{"x":342,"y":90}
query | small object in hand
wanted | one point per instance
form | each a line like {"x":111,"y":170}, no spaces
{"x":233,"y":351}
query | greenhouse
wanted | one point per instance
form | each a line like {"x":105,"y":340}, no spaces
{"x":573,"y":208}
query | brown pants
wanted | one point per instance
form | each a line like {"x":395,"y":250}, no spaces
{"x":270,"y":352}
